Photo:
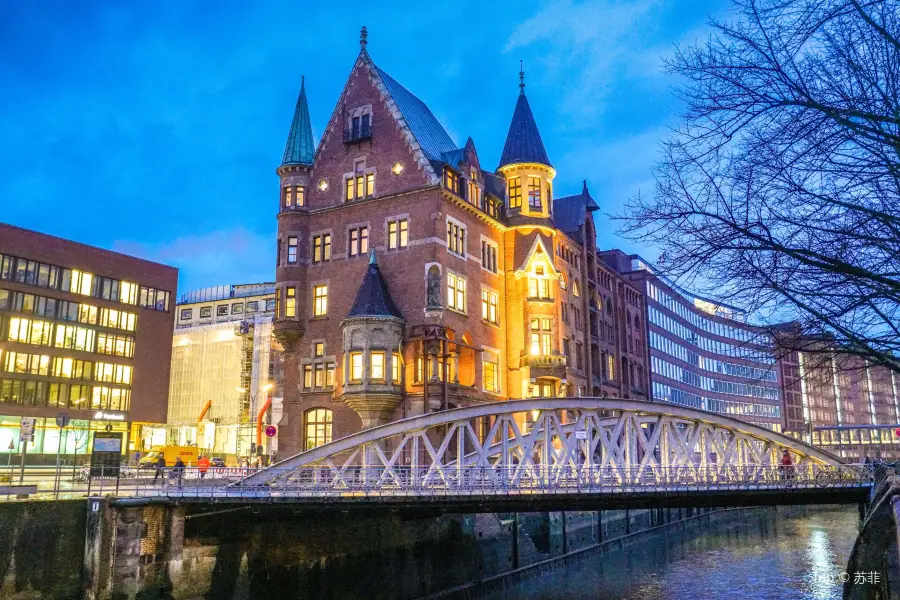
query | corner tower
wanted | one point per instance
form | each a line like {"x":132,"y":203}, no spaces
{"x":526,"y":166}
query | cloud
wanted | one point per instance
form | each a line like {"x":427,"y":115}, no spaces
{"x":221,"y":257}
{"x":603,"y":38}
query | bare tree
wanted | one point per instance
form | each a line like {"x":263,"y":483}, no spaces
{"x":780,"y":190}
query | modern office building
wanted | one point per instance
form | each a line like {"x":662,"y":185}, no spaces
{"x":704,"y":354}
{"x":841,"y":402}
{"x":83,"y":331}
{"x":411,"y":278}
{"x":224,"y":369}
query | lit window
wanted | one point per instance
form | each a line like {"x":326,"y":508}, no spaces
{"x":575,"y":289}
{"x":451,"y":181}
{"x":398,"y":234}
{"x":300,"y":195}
{"x":540,"y":336}
{"x":356,"y":366}
{"x":307,"y":376}
{"x":370,"y":184}
{"x":359,"y":241}
{"x":395,"y":368}
{"x":290,"y":302}
{"x":610,"y":366}
{"x":456,"y":293}
{"x":534,"y":193}
{"x":128,"y":292}
{"x":376,"y":366}
{"x":489,"y":306}
{"x":319,"y":349}
{"x":321,"y":246}
{"x":515,"y":193}
{"x":490,"y":370}
{"x":539,"y":288}
{"x":292,"y":250}
{"x":456,"y":238}
{"x":562,"y":281}
{"x":474,"y":192}
{"x":320,"y":300}
{"x":318,"y":427}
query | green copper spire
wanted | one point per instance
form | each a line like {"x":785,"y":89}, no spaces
{"x":300,"y":148}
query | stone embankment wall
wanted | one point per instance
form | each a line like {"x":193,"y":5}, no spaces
{"x":41,"y":544}
{"x":271,"y":551}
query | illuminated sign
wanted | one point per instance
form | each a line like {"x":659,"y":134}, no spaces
{"x":108,"y":416}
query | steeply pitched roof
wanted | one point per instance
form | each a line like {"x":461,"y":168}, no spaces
{"x":569,"y":212}
{"x":523,"y":142}
{"x":300,"y":148}
{"x":428,"y":131}
{"x":373,"y":298}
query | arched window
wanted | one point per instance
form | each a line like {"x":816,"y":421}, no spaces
{"x":628,"y":318}
{"x":608,"y":307}
{"x":562,"y":281}
{"x":637,"y":322}
{"x":318,"y":427}
{"x":575,"y":289}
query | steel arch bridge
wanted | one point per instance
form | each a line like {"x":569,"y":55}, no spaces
{"x":551,"y":444}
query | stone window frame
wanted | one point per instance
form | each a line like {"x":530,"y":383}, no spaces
{"x":347,"y":229}
{"x":464,"y":254}
{"x":396,"y":219}
{"x":458,"y":276}
{"x":359,"y":111}
{"x":318,"y":233}
{"x":490,"y":290}
{"x":486,"y":240}
{"x":312,"y":296}
{"x":489,"y":349}
{"x":366,"y":171}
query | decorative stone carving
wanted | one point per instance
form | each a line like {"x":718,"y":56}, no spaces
{"x":433,"y":299}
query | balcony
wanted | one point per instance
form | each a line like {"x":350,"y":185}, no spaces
{"x":355,"y":135}
{"x":543,"y":360}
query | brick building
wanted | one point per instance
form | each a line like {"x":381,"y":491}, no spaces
{"x":85,"y":332}
{"x":411,"y":278}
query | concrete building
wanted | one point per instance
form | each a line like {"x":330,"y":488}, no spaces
{"x":83,"y":331}
{"x":703,"y":354}
{"x":223,"y":369}
{"x":411,"y":278}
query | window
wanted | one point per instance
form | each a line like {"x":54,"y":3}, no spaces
{"x":489,"y":256}
{"x":79,"y":338}
{"x":292,"y":250}
{"x":515,"y":193}
{"x":473,"y":195}
{"x":575,"y":290}
{"x":395,"y":368}
{"x":579,"y":356}
{"x":319,"y":349}
{"x":237,"y":308}
{"x":290,"y":302}
{"x":252,"y":306}
{"x":490,"y":370}
{"x":186,"y":314}
{"x":321,"y":247}
{"x":456,"y":238}
{"x":539,"y":288}
{"x":398,"y":234}
{"x":534,"y":193}
{"x":451,"y":181}
{"x":222,"y":310}
{"x":564,"y":313}
{"x":376,"y":366}
{"x":489,"y":306}
{"x":205,"y":311}
{"x":356,"y":366}
{"x":270,"y":304}
{"x":318,"y":427}
{"x":294,"y":196}
{"x":566,"y":350}
{"x":610,"y":366}
{"x":360,"y":184}
{"x":359,"y":241}
{"x":320,"y":300}
{"x":540,"y":336}
{"x":456,"y":293}
{"x":119,"y":319}
{"x":80,"y":282}
{"x":128,"y":292}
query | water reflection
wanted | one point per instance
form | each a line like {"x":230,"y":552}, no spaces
{"x":787,"y":557}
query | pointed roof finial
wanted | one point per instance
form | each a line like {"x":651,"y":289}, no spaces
{"x":372,"y":260}
{"x":584,"y":191}
{"x":521,"y":79}
{"x":300,"y":148}
{"x":363,"y":38}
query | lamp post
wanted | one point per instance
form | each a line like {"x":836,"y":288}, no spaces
{"x":253,"y":398}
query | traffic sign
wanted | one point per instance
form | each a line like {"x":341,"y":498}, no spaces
{"x":897,"y":432}
{"x":26,"y":430}
{"x":271,"y":431}
{"x":580,"y":434}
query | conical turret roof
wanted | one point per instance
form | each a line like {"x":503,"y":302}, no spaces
{"x":373,"y":298}
{"x":300,"y":148}
{"x":523,"y":142}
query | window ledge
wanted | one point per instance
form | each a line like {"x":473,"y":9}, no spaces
{"x":542,"y":300}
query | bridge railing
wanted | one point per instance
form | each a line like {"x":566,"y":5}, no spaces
{"x":512,"y":479}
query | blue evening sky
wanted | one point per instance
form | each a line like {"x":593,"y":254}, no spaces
{"x":154,"y":128}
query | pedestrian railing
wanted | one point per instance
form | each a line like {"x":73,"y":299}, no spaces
{"x":318,"y":481}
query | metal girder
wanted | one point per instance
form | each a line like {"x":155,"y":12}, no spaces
{"x":546,"y":439}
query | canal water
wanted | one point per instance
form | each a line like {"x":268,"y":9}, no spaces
{"x":794,"y":554}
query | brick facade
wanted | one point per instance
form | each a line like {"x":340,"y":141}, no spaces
{"x":448,"y":351}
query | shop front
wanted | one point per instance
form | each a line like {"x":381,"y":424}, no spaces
{"x":74,"y":442}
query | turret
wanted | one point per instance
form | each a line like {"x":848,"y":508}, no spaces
{"x":372,"y":338}
{"x":526,"y":166}
{"x":299,"y":153}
